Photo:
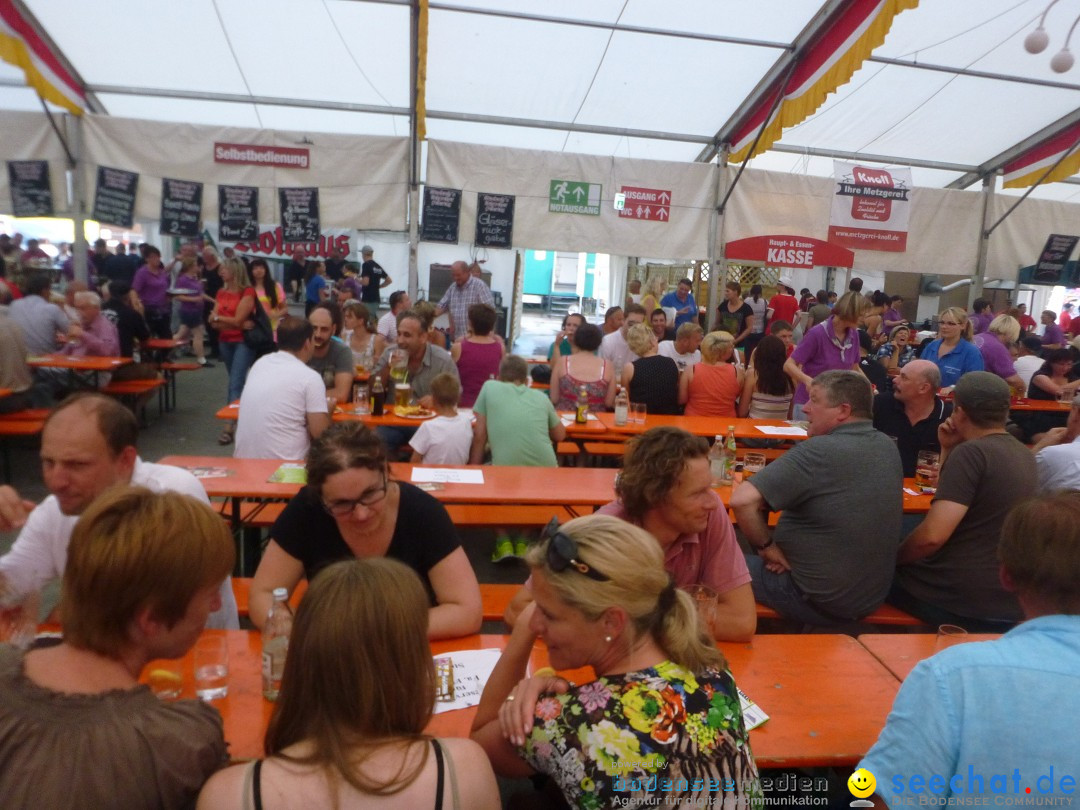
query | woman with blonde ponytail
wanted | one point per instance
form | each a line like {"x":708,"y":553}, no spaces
{"x":661,"y":722}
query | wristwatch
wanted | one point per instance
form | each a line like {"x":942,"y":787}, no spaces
{"x":763,"y":547}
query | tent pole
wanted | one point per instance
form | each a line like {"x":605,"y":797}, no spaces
{"x":716,"y":226}
{"x":414,"y":146}
{"x":77,"y":199}
{"x":979,"y":276}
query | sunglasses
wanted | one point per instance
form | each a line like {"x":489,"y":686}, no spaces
{"x":562,"y":553}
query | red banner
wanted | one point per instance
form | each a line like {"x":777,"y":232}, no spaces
{"x":287,"y":157}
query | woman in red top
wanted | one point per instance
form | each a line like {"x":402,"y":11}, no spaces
{"x":231,"y":316}
{"x":711,"y":387}
{"x":478,"y":354}
{"x":783,"y":305}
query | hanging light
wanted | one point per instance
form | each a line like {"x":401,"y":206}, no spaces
{"x":1037,"y":40}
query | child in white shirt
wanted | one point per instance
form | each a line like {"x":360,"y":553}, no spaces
{"x":447,"y":438}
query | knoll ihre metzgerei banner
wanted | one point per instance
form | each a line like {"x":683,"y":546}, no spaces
{"x":870,"y":207}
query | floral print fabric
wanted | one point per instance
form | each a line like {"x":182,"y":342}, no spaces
{"x":660,"y":733}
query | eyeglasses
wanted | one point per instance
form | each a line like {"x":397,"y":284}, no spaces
{"x":562,"y":553}
{"x":369,"y":497}
{"x":948,"y":323}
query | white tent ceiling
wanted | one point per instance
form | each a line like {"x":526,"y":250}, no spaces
{"x":949,"y":91}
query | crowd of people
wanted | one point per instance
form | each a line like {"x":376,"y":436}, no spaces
{"x":145,"y":562}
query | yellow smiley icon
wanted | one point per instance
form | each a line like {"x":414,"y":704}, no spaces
{"x":861,"y":783}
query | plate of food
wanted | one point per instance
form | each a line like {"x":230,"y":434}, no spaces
{"x":413,"y":412}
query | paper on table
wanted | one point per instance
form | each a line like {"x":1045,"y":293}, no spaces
{"x":568,"y":418}
{"x":769,"y":430}
{"x":472,"y":668}
{"x":752,"y":714}
{"x":423,"y":474}
{"x":289,"y":473}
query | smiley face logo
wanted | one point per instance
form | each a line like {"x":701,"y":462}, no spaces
{"x":861,"y":783}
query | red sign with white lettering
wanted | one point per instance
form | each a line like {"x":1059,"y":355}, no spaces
{"x":784,"y":250}
{"x":646,"y":203}
{"x":280,"y":157}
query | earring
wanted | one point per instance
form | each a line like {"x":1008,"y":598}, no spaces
{"x":607,"y":639}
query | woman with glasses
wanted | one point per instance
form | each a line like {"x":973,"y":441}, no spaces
{"x":350,"y":508}
{"x":663,"y":704}
{"x":361,"y":623}
{"x":953,"y":352}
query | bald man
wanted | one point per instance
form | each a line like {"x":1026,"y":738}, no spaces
{"x":912,"y":411}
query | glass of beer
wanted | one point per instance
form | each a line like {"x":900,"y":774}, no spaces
{"x":753,"y":463}
{"x":926,"y":468}
{"x":402,"y":394}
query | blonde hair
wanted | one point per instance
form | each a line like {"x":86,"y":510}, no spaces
{"x":717,"y":346}
{"x":238,"y":277}
{"x":134,"y":549}
{"x":638,"y":583}
{"x":967,"y":332}
{"x":1006,"y":326}
{"x":850,"y":307}
{"x":359,"y":675}
{"x":640,"y":339}
{"x":654,"y":286}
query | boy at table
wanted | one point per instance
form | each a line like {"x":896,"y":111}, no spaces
{"x":665,"y":488}
{"x":447,"y":438}
{"x":997,"y":716}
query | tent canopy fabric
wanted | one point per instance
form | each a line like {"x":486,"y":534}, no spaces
{"x":950,"y":91}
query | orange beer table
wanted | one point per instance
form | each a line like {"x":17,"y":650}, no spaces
{"x":900,"y":652}
{"x":84,"y":369}
{"x":913,"y":504}
{"x":827,"y":697}
{"x":707,"y":426}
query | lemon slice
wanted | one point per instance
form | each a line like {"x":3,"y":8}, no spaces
{"x":164,"y":676}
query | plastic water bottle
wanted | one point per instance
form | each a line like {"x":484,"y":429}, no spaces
{"x":716,"y":462}
{"x":275,"y":642}
{"x":730,"y":454}
{"x":622,"y":408}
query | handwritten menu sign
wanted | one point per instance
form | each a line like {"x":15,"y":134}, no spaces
{"x":31,"y":192}
{"x":238,"y":213}
{"x":442,"y":210}
{"x":494,"y":220}
{"x":181,"y":207}
{"x":299,"y":214}
{"x":1055,"y":254}
{"x":114,"y":197}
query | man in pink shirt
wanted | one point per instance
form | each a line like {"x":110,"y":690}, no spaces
{"x":665,"y":488}
{"x":95,"y":336}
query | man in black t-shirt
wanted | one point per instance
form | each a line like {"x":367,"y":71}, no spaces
{"x":294,"y":274}
{"x":912,"y":411}
{"x":372,"y":276}
{"x":335,"y":265}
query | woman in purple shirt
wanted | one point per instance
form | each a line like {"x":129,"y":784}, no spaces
{"x":151,"y":284}
{"x":831,"y":345}
{"x":1003,"y":332}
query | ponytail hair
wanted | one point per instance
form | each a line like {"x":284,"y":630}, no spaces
{"x":633,"y":561}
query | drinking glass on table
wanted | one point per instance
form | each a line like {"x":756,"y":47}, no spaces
{"x":637,"y":413}
{"x":1066,"y":396}
{"x":166,"y":678}
{"x":753,"y":463}
{"x":705,"y":599}
{"x":212,"y":667}
{"x":399,"y":365}
{"x":948,"y":635}
{"x":402,"y":394}
{"x":927,"y":464}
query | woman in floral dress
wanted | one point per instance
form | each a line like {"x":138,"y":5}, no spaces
{"x":661,"y":722}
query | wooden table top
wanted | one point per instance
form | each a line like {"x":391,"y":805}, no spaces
{"x":87,"y":363}
{"x":900,"y":652}
{"x":707,"y":426}
{"x":827,"y":697}
{"x":573,"y":486}
{"x":913,"y":504}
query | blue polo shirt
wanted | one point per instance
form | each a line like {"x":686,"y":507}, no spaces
{"x":964,"y":358}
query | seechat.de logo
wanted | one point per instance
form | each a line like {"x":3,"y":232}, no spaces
{"x":862,"y":785}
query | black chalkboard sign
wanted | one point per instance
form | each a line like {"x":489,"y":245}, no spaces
{"x":238,"y":213}
{"x":494,"y":220}
{"x":442,"y":211}
{"x":114,"y":197}
{"x":181,"y":207}
{"x":1055,"y":254}
{"x":299,"y":214}
{"x":31,"y":192}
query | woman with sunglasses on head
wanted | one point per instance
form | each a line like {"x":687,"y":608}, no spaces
{"x":953,"y":352}
{"x":350,"y":508}
{"x":663,"y":705}
{"x":361,"y":623}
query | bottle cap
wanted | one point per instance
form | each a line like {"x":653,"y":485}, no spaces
{"x":281,"y":594}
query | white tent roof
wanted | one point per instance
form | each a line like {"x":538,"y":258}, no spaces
{"x":951,"y":91}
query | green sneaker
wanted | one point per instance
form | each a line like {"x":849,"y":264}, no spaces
{"x":504,"y":549}
{"x":521,"y":545}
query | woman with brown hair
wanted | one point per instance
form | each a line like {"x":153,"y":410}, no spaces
{"x":767,"y":389}
{"x":144,"y":571}
{"x":351,"y":508}
{"x":360,"y":336}
{"x":603,"y":599}
{"x":477,"y":353}
{"x":347,"y":730}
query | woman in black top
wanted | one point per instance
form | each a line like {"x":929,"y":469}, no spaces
{"x":734,"y":315}
{"x":652,"y":378}
{"x":351,"y":508}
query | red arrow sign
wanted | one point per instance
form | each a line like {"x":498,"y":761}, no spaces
{"x":653,"y":204}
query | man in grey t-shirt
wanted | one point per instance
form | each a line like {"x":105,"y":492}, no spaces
{"x":332,"y":359}
{"x":832,"y":556}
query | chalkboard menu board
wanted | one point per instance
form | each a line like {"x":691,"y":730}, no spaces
{"x":442,"y":210}
{"x":299,"y":214}
{"x":1052,"y":260}
{"x":181,"y":207}
{"x":31,"y":192}
{"x":494,"y":220}
{"x":114,"y":197}
{"x":238,"y":213}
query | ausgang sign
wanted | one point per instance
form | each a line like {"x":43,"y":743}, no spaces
{"x":789,"y":251}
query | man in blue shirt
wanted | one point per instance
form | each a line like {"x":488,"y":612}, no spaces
{"x":999,"y":716}
{"x":686,"y":311}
